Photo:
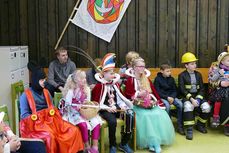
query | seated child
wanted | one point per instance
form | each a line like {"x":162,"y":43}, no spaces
{"x":130,"y":56}
{"x":167,"y":90}
{"x":3,"y":141}
{"x":218,"y":75}
{"x":219,"y":72}
{"x":192,"y":91}
{"x":37,"y":112}
{"x":76,"y":91}
{"x":153,"y":124}
{"x":111,"y":100}
{"x":13,"y":143}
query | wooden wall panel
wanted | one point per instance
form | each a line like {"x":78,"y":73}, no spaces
{"x":4,"y":22}
{"x":122,"y":40}
{"x":192,"y":25}
{"x":23,"y":15}
{"x":182,"y":28}
{"x":52,"y":28}
{"x":212,"y":29}
{"x":172,"y":35}
{"x":13,"y":32}
{"x":142,"y":32}
{"x":163,"y":31}
{"x":223,"y":23}
{"x":43,"y":30}
{"x":203,"y":35}
{"x":151,"y":28}
{"x":62,"y":19}
{"x":131,"y":26}
{"x":160,"y":30}
{"x":33,"y":34}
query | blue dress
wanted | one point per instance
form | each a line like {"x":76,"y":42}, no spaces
{"x":154,"y":127}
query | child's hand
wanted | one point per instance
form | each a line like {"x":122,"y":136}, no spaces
{"x":79,"y":107}
{"x":153,"y":102}
{"x":111,"y":101}
{"x":171,"y":100}
{"x":224,"y":83}
{"x":111,"y":96}
{"x":194,"y":102}
{"x":92,"y":86}
{"x":18,"y":144}
{"x":14,"y":145}
{"x":14,"y":137}
{"x":111,"y":109}
{"x":142,"y":93}
{"x":123,"y":108}
{"x":61,"y":88}
{"x":221,"y":71}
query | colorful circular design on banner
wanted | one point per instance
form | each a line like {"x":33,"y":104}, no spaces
{"x":105,"y":11}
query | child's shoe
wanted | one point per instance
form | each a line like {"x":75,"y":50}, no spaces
{"x":180,"y":130}
{"x":162,"y":105}
{"x":226,"y":130}
{"x":215,"y":122}
{"x":93,"y":150}
{"x":125,"y":148}
{"x":151,"y":149}
{"x":201,"y":127}
{"x":189,"y":133}
{"x":157,"y":149}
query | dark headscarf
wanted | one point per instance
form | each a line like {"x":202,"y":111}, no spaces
{"x":37,"y":74}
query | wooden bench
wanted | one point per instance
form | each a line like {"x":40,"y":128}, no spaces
{"x":154,"y":71}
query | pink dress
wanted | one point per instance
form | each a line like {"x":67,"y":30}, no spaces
{"x":71,"y":113}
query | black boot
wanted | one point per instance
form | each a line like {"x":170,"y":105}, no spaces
{"x":189,"y":133}
{"x":201,"y":127}
{"x":180,"y":130}
{"x":226,"y":130}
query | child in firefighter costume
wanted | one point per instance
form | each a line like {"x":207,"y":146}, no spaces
{"x":153,"y":124}
{"x":192,"y":91}
{"x":76,"y":93}
{"x":111,"y":100}
{"x":219,"y":81}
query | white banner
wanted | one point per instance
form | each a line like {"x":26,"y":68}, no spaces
{"x":100,"y":17}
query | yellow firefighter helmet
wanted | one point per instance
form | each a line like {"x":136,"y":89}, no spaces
{"x":188,"y":57}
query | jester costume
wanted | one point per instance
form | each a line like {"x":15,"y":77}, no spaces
{"x":108,"y":95}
